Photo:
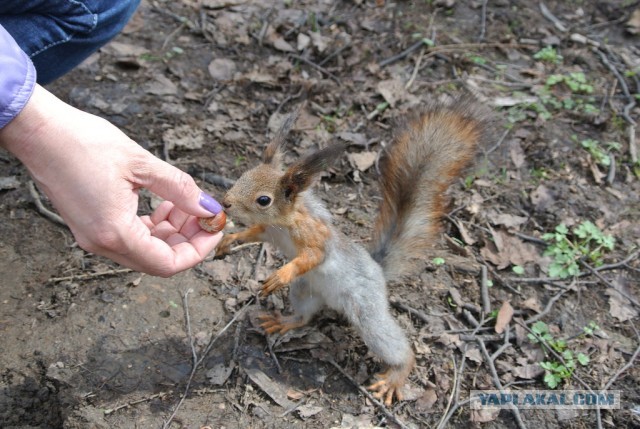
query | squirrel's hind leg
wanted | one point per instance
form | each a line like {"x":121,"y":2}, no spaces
{"x":305,"y":304}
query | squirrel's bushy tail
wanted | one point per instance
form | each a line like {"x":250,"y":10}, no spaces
{"x":430,"y":150}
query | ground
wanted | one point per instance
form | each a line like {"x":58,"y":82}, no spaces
{"x":203,"y":85}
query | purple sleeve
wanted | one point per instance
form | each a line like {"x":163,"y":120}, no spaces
{"x":17,"y":78}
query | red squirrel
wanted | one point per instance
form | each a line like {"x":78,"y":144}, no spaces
{"x":430,"y":150}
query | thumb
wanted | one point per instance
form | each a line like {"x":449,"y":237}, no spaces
{"x":173,"y":184}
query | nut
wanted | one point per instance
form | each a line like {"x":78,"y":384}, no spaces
{"x":213,"y":224}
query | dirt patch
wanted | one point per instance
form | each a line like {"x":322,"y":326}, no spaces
{"x":202,"y":84}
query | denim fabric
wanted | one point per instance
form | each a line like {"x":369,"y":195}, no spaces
{"x":59,"y":34}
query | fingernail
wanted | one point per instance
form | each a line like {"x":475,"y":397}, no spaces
{"x":209,"y":203}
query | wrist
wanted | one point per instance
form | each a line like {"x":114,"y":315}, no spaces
{"x":21,"y":135}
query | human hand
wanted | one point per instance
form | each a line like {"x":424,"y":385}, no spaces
{"x":92,"y":173}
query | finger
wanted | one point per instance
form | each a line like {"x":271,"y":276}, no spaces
{"x":151,"y":255}
{"x":176,"y":186}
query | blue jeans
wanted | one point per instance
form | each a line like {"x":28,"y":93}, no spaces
{"x":59,"y":34}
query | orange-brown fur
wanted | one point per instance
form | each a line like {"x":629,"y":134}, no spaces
{"x":431,"y":151}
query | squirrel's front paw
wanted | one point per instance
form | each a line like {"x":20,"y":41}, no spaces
{"x":272,"y":284}
{"x":224,"y":247}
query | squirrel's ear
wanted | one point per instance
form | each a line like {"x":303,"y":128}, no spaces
{"x":274,"y":151}
{"x":299,"y":176}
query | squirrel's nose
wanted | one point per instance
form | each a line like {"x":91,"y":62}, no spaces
{"x":226,"y":204}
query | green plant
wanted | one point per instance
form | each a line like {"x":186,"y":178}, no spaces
{"x":556,"y":370}
{"x":575,"y":81}
{"x":548,"y":54}
{"x":438,"y":261}
{"x":568,"y":248}
{"x":597,"y":152}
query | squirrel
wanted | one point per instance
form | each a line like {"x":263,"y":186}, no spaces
{"x":430,"y":150}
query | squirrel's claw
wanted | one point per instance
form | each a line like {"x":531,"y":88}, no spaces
{"x":272,"y":284}
{"x":388,"y":386}
{"x":224,"y":247}
{"x":276,"y":322}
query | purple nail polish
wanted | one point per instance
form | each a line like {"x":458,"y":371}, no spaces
{"x":209,"y":203}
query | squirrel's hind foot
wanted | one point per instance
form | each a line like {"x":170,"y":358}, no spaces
{"x":390,"y":383}
{"x":276,"y":322}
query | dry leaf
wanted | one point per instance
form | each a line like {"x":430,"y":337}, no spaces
{"x":619,"y":306}
{"x":392,"y":91}
{"x":362,"y":161}
{"x":507,"y":249}
{"x":272,"y":388}
{"x":184,"y":137}
{"x":542,"y":198}
{"x":506,"y":219}
{"x":517,"y":153}
{"x":484,"y":415}
{"x":633,"y":24}
{"x":305,"y":411}
{"x":222,"y":69}
{"x":504,"y":317}
{"x":528,"y":371}
{"x":426,"y":402}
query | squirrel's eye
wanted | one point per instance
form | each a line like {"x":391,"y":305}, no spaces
{"x":263,"y":200}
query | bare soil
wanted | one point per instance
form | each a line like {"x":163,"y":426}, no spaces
{"x":201,"y":84}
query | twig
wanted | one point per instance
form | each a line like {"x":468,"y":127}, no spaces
{"x":369,"y":396}
{"x":633,"y":149}
{"x":317,"y":67}
{"x":628,"y":365}
{"x":499,"y":142}
{"x":551,"y":17}
{"x":456,"y":377}
{"x":484,"y":291}
{"x":89,"y":275}
{"x":623,"y":85}
{"x":498,"y":383}
{"x":622,"y":263}
{"x":136,"y":402}
{"x":611,"y":176}
{"x":483,"y":21}
{"x":609,"y":284}
{"x":419,"y":314}
{"x":41,"y":208}
{"x":415,"y":71}
{"x":334,"y":53}
{"x":547,"y":308}
{"x":402,"y":54}
{"x":197,"y":362}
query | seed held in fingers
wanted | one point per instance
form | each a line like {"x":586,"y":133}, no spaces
{"x":213,"y":224}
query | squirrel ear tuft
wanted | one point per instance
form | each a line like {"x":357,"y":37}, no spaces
{"x":275,"y":149}
{"x":299,"y":176}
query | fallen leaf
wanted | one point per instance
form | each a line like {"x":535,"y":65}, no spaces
{"x":517,"y":153}
{"x":10,"y":182}
{"x":619,"y":306}
{"x":528,"y":371}
{"x":273,"y":389}
{"x":392,"y":91}
{"x":506,"y":249}
{"x":222,"y":69}
{"x":303,"y":41}
{"x":355,"y":138}
{"x":363,"y":160}
{"x":305,"y":411}
{"x":219,"y":374}
{"x":633,"y":24}
{"x":162,"y":85}
{"x":542,"y":198}
{"x":184,"y":137}
{"x":506,"y":219}
{"x":484,"y":415}
{"x":532,"y":304}
{"x":504,"y":317}
{"x":220,"y":4}
{"x":426,"y":402}
{"x":473,"y":353}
